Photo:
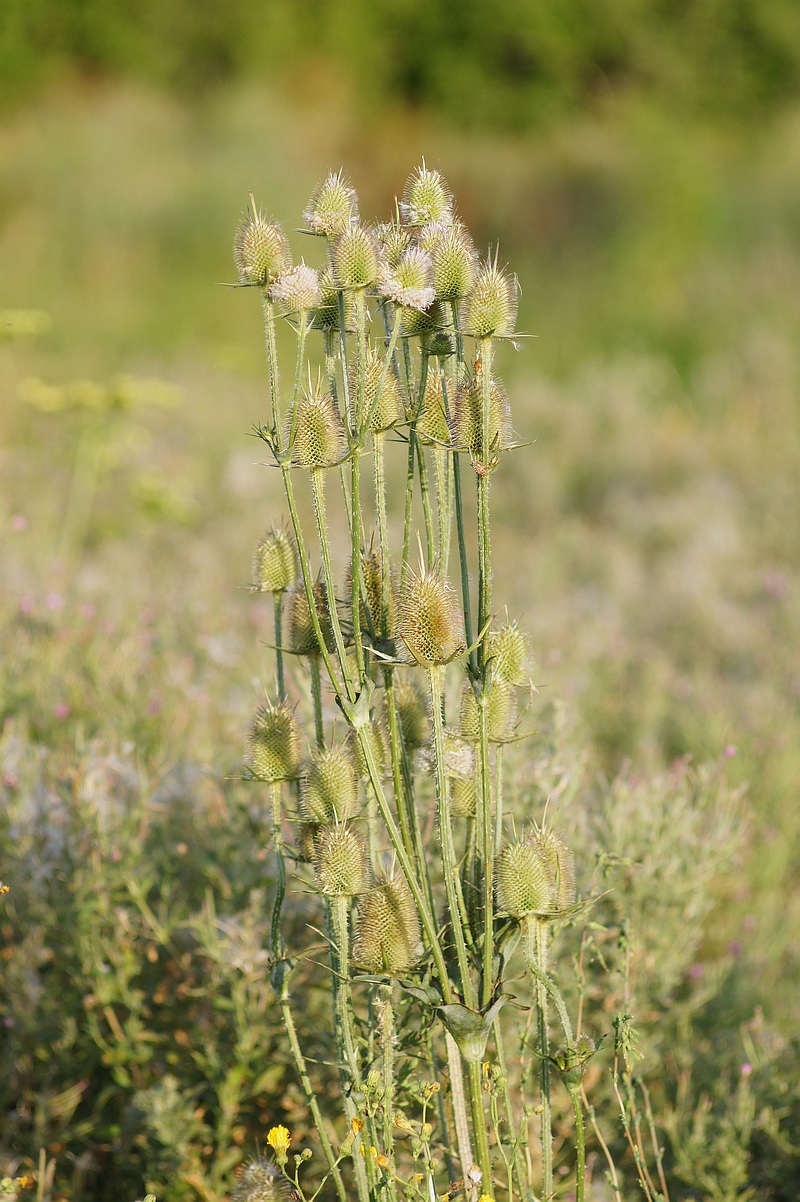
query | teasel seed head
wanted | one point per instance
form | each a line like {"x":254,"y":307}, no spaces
{"x":389,"y":409}
{"x":297,"y":290}
{"x":274,"y":744}
{"x":393,"y":241}
{"x":262,"y":1181}
{"x":466,"y":420}
{"x":430,"y":621}
{"x":455,"y":262}
{"x":523,"y":880}
{"x":302,"y":638}
{"x":333,"y":207}
{"x":432,"y":426}
{"x":441,"y":345}
{"x":409,"y":283}
{"x":381,"y":621}
{"x":426,"y":198}
{"x":463,"y":796}
{"x":423,"y":321}
{"x":320,"y":440}
{"x":501,"y":711}
{"x":355,"y":258}
{"x":275,"y":562}
{"x":491,"y":306}
{"x":379,"y":745}
{"x":260,"y":249}
{"x":340,"y":863}
{"x":306,"y":842}
{"x":387,"y":938}
{"x":412,"y":711}
{"x":509,"y":650}
{"x":561,"y":864}
{"x":329,"y":789}
{"x":326,"y":315}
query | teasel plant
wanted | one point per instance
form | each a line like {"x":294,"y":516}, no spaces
{"x":413,"y":677}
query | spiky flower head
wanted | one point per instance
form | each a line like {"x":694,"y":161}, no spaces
{"x":510,"y":654}
{"x":430,"y":622}
{"x":329,"y":790}
{"x":378,"y":741}
{"x":386,"y":409}
{"x":387,"y":934}
{"x":559,"y":859}
{"x":466,"y":419}
{"x":426,"y":198}
{"x":523,"y":880}
{"x":409,"y":283}
{"x":263,"y":1181}
{"x":455,"y":262}
{"x":355,"y":258}
{"x":423,"y":321}
{"x":491,"y":306}
{"x":535,"y":875}
{"x":274,"y":744}
{"x":501,"y":711}
{"x":320,"y":440}
{"x":260,"y":249}
{"x":432,"y":426}
{"x":275,"y":562}
{"x":302,"y":638}
{"x":460,"y":769}
{"x":441,"y":345}
{"x":412,"y":712}
{"x":297,"y":290}
{"x":378,"y":617}
{"x":333,"y":206}
{"x":340,"y":862}
{"x":393,"y":240}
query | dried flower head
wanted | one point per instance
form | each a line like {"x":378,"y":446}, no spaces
{"x":430,"y":621}
{"x":333,"y":206}
{"x":388,"y":934}
{"x":260,"y":249}
{"x":274,"y":744}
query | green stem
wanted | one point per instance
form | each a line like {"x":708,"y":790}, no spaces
{"x":462,"y":541}
{"x":318,"y":490}
{"x":486,"y":835}
{"x":535,"y":937}
{"x":339,"y":907}
{"x":273,"y":378}
{"x":459,"y":1103}
{"x":316,"y":696}
{"x":277,"y":599}
{"x":388,"y":1041}
{"x":276,"y":938}
{"x":379,"y":445}
{"x":298,"y":372}
{"x":479,"y":1126}
{"x":580,"y":1144}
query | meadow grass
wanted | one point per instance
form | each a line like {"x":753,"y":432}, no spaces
{"x":655,"y":516}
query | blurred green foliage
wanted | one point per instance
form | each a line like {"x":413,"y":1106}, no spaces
{"x":503,"y":65}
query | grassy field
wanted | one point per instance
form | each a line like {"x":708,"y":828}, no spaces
{"x":648,"y":537}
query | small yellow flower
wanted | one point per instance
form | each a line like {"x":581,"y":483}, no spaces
{"x":382,"y":1161}
{"x":356,"y":1124}
{"x":279,"y":1138}
{"x":486,"y":1198}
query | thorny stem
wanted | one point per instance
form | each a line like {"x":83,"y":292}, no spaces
{"x":316,"y":697}
{"x":459,"y":1103}
{"x":339,"y":907}
{"x":580,"y":1144}
{"x":273,"y":379}
{"x":277,"y":599}
{"x":318,"y":490}
{"x":535,"y":938}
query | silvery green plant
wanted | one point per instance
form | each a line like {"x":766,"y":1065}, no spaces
{"x":394,"y":640}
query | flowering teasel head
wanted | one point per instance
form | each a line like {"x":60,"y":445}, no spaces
{"x":430,"y":620}
{"x":355,"y":259}
{"x":409,"y":283}
{"x":340,"y":863}
{"x":329,"y":788}
{"x":423,"y":321}
{"x":455,"y":262}
{"x":319,"y":436}
{"x":333,"y":207}
{"x":302,"y":636}
{"x":523,"y":880}
{"x":387,"y":938}
{"x":260,"y":249}
{"x":393,"y":241}
{"x":426,"y":198}
{"x":491,"y":305}
{"x":466,"y":420}
{"x":510,"y":654}
{"x":386,"y":408}
{"x":501,"y":707}
{"x":326,"y":315}
{"x":412,"y":712}
{"x":275,"y":562}
{"x":274,"y":744}
{"x":262,"y":1181}
{"x":297,"y":289}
